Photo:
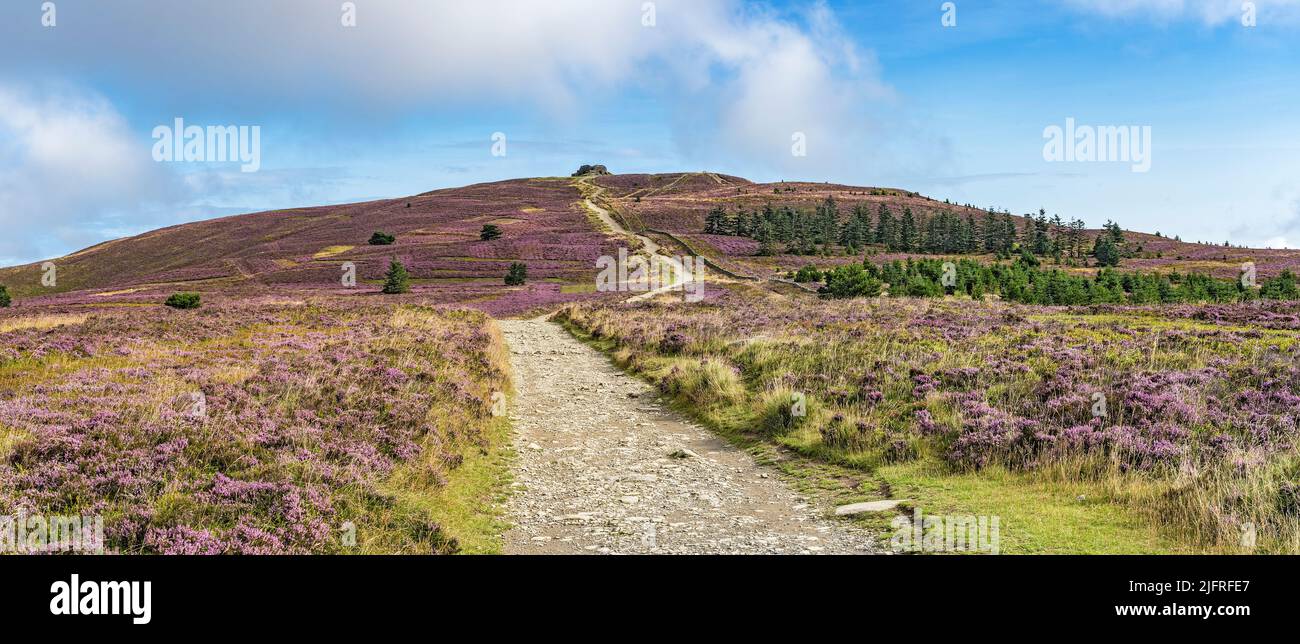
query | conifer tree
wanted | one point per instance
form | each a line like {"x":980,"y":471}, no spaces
{"x":397,"y":280}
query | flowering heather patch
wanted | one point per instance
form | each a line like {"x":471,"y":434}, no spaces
{"x":261,"y":426}
{"x":725,"y":244}
{"x":437,"y":237}
{"x":679,"y":204}
{"x":1203,"y":397}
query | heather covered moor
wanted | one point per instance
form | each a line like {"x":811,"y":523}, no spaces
{"x":289,"y":412}
{"x":1183,"y":419}
{"x":263,"y":426}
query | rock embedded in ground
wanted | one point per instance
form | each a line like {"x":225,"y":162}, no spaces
{"x":867,"y":507}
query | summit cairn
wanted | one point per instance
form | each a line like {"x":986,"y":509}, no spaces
{"x":591,"y":169}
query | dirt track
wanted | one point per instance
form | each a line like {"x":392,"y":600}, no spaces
{"x":604,"y":467}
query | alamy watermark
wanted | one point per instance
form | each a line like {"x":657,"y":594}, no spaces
{"x":77,"y":597}
{"x":1099,"y":409}
{"x":798,"y":144}
{"x":946,"y":533}
{"x":42,"y":533}
{"x":636,"y":273}
{"x":211,"y":144}
{"x":1100,"y":144}
{"x":949,"y":277}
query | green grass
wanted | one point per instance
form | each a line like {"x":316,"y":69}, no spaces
{"x":579,"y":288}
{"x":1036,"y":515}
{"x":469,"y":508}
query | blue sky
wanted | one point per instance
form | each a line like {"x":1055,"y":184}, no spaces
{"x":407,"y":100}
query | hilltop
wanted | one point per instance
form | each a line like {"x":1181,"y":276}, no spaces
{"x":542,"y":223}
{"x":677,"y":204}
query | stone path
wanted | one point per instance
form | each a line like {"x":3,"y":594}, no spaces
{"x":604,"y":468}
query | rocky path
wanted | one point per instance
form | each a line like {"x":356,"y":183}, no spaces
{"x":605,"y":468}
{"x":649,"y":247}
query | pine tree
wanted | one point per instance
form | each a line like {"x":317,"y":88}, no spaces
{"x":489,"y":232}
{"x":1058,"y":235}
{"x":828,"y":221}
{"x":1074,"y":238}
{"x":1115,"y":233}
{"x":769,"y":223}
{"x":1008,"y":239}
{"x":907,"y":235}
{"x":1106,"y":252}
{"x":970,"y":235}
{"x":517,"y":274}
{"x":1038,"y":235}
{"x":1282,"y":287}
{"x":885,"y":231}
{"x":713,"y":222}
{"x":741,"y":226}
{"x":992,"y":241}
{"x":397,"y":280}
{"x":851,"y":235}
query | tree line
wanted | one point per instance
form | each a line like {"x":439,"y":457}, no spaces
{"x":824,"y":230}
{"x":1026,"y":282}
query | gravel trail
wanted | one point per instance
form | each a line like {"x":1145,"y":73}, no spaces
{"x":605,"y":468}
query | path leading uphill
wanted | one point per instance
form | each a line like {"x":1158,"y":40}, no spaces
{"x":604,"y":467}
{"x":648,"y":246}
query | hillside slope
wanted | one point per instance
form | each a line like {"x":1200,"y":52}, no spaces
{"x":678,"y":204}
{"x":437,"y":239}
{"x":542,"y":224}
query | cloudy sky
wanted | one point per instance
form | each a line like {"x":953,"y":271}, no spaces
{"x":882,"y":92}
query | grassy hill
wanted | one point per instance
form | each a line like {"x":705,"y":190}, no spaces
{"x":437,"y":237}
{"x":542,"y":223}
{"x":678,"y":204}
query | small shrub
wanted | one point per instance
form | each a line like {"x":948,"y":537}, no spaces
{"x":396,"y":280}
{"x":489,"y":232}
{"x":4,"y":297}
{"x":808,"y":273}
{"x":381,"y":238}
{"x":703,"y":382}
{"x":674,"y":343}
{"x":183,"y":301}
{"x":783,"y":410}
{"x":517,"y":275}
{"x":851,"y":281}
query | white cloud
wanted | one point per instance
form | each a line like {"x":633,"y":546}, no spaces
{"x":74,"y":173}
{"x":68,"y":166}
{"x":736,"y":79}
{"x":753,"y":74}
{"x":1210,"y":12}
{"x":1273,"y":242}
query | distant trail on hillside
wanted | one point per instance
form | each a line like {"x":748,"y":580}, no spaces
{"x":648,"y":245}
{"x":606,"y":468}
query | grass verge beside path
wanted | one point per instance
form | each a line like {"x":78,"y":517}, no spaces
{"x":1035,"y":516}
